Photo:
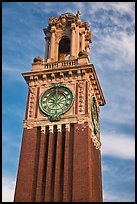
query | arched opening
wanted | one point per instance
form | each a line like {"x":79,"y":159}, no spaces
{"x":67,"y":56}
{"x":64,"y":48}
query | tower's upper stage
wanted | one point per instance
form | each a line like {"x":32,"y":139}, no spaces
{"x":66,"y":36}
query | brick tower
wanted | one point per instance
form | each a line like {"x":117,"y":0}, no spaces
{"x":60,"y":156}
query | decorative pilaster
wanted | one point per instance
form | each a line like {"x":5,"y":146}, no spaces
{"x":50,"y":163}
{"x":81,"y":94}
{"x":41,"y":166}
{"x":66,"y":185}
{"x":31,"y":105}
{"x":58,"y":166}
{"x":80,"y":165}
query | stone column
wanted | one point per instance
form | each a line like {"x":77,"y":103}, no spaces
{"x":77,"y":41}
{"x":83,"y":39}
{"x":72,"y":52}
{"x":47,"y":48}
{"x":52,"y":44}
{"x":87,"y":47}
{"x":56,"y":51}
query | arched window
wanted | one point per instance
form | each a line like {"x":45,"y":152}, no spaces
{"x":64,"y":48}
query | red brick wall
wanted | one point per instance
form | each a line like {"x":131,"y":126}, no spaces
{"x":28,"y":163}
{"x":96,"y":172}
{"x":41,"y":178}
{"x":59,"y":166}
{"x":87,"y":184}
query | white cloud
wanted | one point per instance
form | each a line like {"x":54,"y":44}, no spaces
{"x":118,"y":197}
{"x":14,"y":111}
{"x":121,"y":7}
{"x":105,"y":167}
{"x":113,"y":33}
{"x":11,"y":69}
{"x":46,"y":7}
{"x":119,"y":111}
{"x":108,"y":197}
{"x":118,"y":51}
{"x":118,"y":145}
{"x":10,"y":144}
{"x":119,"y":91}
{"x":13,"y":74}
{"x":8,"y":188}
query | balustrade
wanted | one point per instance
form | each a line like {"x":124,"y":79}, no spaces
{"x":55,"y":65}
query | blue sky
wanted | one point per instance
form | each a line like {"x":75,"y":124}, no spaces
{"x":113,"y":55}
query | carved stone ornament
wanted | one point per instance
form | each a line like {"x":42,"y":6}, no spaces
{"x":83,"y":53}
{"x":66,"y":19}
{"x":29,"y":125}
{"x":95,"y":141}
{"x":88,"y":36}
{"x":53,"y":21}
{"x":37,"y":59}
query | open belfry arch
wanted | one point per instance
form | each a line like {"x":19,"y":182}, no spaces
{"x":60,"y":157}
{"x":66,"y":33}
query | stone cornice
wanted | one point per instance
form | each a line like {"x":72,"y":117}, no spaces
{"x":76,"y":71}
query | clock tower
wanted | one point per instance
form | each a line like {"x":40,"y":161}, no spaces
{"x":60,"y":157}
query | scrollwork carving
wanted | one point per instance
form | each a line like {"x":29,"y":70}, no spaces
{"x":96,"y":141}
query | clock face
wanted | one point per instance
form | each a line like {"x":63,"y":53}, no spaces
{"x":94,"y":113}
{"x":55,"y":101}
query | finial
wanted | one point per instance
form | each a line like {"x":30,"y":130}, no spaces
{"x":50,"y":20}
{"x":78,"y":12}
{"x":78,"y":15}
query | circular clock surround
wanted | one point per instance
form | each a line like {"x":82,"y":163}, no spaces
{"x":55,"y":101}
{"x":94,"y":114}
